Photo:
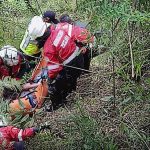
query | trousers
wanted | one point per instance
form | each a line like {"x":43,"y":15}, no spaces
{"x":65,"y":82}
{"x":19,"y":145}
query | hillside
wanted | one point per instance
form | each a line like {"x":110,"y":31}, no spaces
{"x":91,"y":121}
{"x":110,"y":108}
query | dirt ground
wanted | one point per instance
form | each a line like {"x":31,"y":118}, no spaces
{"x":94,"y":95}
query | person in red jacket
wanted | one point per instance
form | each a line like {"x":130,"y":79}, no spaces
{"x":65,"y":59}
{"x":9,"y":61}
{"x":11,"y":138}
{"x":88,"y":52}
{"x":12,"y":63}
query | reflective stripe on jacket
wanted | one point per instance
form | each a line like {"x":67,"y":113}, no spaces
{"x":29,"y":47}
{"x":61,"y":45}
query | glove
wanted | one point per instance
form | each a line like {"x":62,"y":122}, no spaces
{"x":36,"y":130}
{"x":51,"y":81}
{"x":41,"y":128}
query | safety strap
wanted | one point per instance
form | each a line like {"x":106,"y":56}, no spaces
{"x":32,"y":101}
{"x":41,"y":75}
{"x":20,"y":135}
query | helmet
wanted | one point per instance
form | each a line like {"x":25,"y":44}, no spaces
{"x":3,"y":121}
{"x":9,"y":55}
{"x":37,"y":27}
{"x":65,"y":18}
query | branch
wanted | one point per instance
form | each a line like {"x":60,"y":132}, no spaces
{"x":115,"y":26}
{"x":131,"y":52}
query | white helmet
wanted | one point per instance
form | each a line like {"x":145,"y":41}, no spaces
{"x":3,"y":121}
{"x":37,"y":27}
{"x":9,"y":55}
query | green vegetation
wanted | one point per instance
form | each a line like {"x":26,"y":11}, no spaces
{"x":98,"y":119}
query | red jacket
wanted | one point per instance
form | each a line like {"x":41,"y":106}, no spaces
{"x":61,"y":45}
{"x":9,"y":71}
{"x":10,"y":134}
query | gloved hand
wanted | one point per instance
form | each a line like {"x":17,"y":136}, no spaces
{"x":45,"y":127}
{"x":50,"y":81}
{"x":36,"y":130}
{"x":93,"y":44}
{"x":30,"y":81}
{"x":42,"y":128}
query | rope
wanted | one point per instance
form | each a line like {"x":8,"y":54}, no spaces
{"x":51,"y":62}
{"x":64,"y":65}
{"x":94,"y":72}
{"x":56,"y":63}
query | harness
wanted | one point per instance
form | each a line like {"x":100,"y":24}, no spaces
{"x":60,"y":41}
{"x":29,"y":95}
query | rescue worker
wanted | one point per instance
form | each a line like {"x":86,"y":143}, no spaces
{"x":12,"y":63}
{"x":61,"y":51}
{"x":12,"y":138}
{"x":87,"y":53}
{"x":36,"y":34}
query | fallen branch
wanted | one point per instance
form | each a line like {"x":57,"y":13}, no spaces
{"x":131,"y":52}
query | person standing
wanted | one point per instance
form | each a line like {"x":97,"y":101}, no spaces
{"x":37,"y":33}
{"x":65,"y":60}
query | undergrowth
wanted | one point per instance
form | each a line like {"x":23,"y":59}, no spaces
{"x":106,"y":121}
